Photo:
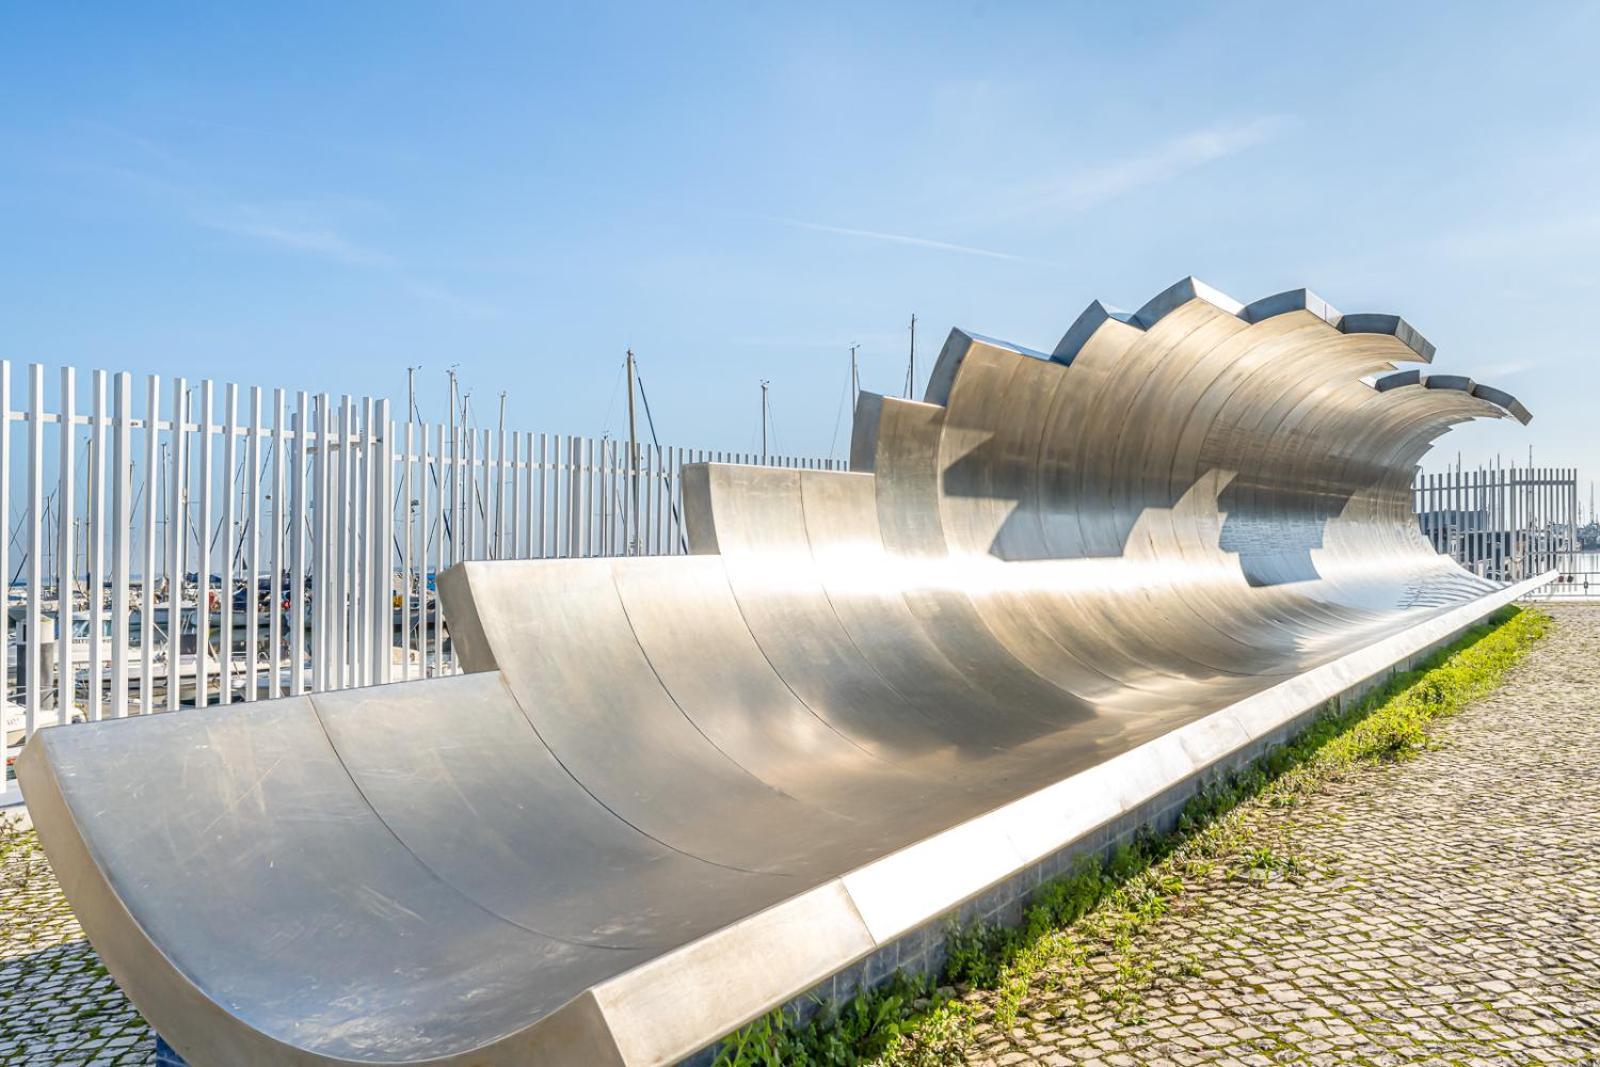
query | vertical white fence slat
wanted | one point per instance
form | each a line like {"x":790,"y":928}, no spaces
{"x":33,"y":630}
{"x":10,"y":696}
{"x":228,"y":537}
{"x":321,"y":590}
{"x":276,"y":600}
{"x":366,"y":588}
{"x":529,"y":510}
{"x":292,"y":526}
{"x":406,"y":559}
{"x":252,"y":556}
{"x":341,"y":454}
{"x":467,"y":548}
{"x":66,"y":543}
{"x":332,"y":592}
{"x":361,"y":545}
{"x":436,"y":526}
{"x":383,"y":539}
{"x":481,"y":513}
{"x":1503,"y":523}
{"x":147,"y":569}
{"x":177,"y":519}
{"x":203,"y":561}
{"x":95,"y":549}
{"x":121,"y":540}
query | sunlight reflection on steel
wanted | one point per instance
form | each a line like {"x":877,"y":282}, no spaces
{"x":677,"y":791}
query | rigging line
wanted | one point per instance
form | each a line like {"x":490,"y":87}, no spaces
{"x":399,"y":484}
{"x":244,"y":520}
{"x":666,"y":480}
{"x":222,"y":518}
{"x":649,"y":420}
{"x":16,"y":531}
{"x":434,"y":463}
{"x":88,"y":492}
{"x":838,"y":417}
{"x":133,"y":511}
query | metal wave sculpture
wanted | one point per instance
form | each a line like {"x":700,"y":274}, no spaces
{"x":673,"y":792}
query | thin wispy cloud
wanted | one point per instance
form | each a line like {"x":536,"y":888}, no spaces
{"x":304,"y":227}
{"x":318,"y":241}
{"x":1080,"y":190}
{"x":296,"y":235}
{"x":869,"y":340}
{"x":1556,"y":231}
{"x":433,"y":294}
{"x":907,"y":239}
{"x":1489,"y":372}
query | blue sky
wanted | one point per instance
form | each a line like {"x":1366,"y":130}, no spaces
{"x":318,"y":196}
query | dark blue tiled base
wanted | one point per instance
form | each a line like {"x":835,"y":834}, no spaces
{"x":165,"y":1057}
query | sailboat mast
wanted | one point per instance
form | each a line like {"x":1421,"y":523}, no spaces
{"x":911,"y":362}
{"x":764,"y":384}
{"x":633,"y":465}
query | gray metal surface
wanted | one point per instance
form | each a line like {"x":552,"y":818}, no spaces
{"x":674,"y":792}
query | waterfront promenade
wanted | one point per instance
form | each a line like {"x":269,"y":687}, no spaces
{"x":1445,"y":909}
{"x":1440,"y":910}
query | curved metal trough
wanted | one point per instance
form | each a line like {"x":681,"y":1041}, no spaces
{"x":674,"y":792}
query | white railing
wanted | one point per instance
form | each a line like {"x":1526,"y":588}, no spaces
{"x":288,"y":540}
{"x":1505,"y":523}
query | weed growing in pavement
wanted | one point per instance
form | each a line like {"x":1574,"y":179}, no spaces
{"x":1095,"y":911}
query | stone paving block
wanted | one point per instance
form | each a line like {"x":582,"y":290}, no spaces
{"x":1452,"y":915}
{"x":1452,"y":912}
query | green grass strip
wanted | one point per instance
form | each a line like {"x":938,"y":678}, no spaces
{"x":1094,"y":912}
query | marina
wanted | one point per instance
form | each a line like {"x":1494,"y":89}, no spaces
{"x":318,"y":522}
{"x":1502,"y":524}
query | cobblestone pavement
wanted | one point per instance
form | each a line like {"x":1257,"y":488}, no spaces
{"x":1449,"y":914}
{"x":1448,"y":911}
{"x":57,"y":1003}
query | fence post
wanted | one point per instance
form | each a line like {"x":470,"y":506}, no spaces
{"x":298,"y":618}
{"x":147,"y":587}
{"x":9,"y":696}
{"x":177,"y":473}
{"x":95,"y":549}
{"x":336,"y":505}
{"x":33,"y":654}
{"x":66,"y":546}
{"x":202,"y":594}
{"x":230,"y":539}
{"x":382,"y":473}
{"x":121,"y":548}
{"x":252,"y":522}
{"x":441,"y":487}
{"x":321,"y":588}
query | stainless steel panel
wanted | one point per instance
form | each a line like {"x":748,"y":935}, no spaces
{"x":674,"y":791}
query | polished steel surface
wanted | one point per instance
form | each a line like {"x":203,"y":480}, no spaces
{"x":676,"y":791}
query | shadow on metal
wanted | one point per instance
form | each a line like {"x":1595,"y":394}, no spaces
{"x":632,"y":826}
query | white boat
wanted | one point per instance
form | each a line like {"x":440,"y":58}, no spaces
{"x":188,"y":673}
{"x":16,"y":721}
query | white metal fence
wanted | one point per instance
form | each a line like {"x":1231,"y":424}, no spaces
{"x":1504,"y":523}
{"x":174,"y":543}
